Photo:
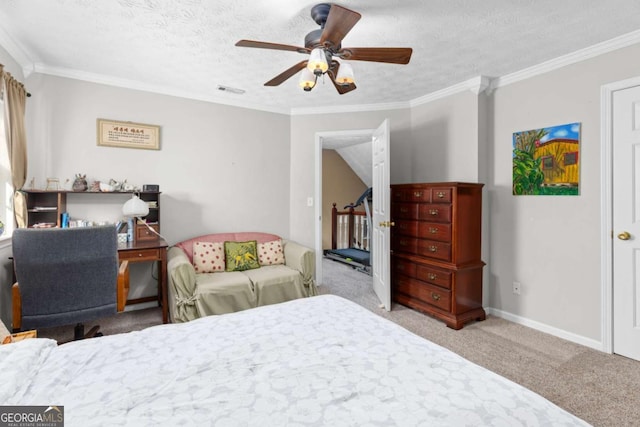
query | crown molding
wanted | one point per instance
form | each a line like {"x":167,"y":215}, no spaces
{"x":478,"y":84}
{"x":157,"y":89}
{"x":475,"y":85}
{"x":565,"y":60}
{"x":333,"y":109}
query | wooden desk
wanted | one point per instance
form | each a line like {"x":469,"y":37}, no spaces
{"x":144,"y":251}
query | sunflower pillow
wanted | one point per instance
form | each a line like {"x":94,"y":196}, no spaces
{"x":240,"y":256}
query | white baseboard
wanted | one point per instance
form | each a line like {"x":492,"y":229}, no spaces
{"x":560,"y":333}
{"x":141,"y":306}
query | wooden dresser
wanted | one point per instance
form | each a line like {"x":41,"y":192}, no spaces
{"x":436,"y":247}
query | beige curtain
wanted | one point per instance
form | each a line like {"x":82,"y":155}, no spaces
{"x":15,"y":96}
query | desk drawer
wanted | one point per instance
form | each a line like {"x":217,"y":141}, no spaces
{"x":144,"y":234}
{"x":139,"y":255}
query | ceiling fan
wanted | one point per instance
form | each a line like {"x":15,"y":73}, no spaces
{"x":324,"y":47}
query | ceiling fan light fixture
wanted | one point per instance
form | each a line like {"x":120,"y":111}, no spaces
{"x":307,"y":79}
{"x":318,"y":62}
{"x":345,"y":74}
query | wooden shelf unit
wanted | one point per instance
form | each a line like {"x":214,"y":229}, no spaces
{"x":48,"y":206}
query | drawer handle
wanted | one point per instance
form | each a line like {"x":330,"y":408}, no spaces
{"x":433,"y":230}
{"x":433,"y":248}
{"x":404,"y":243}
{"x":403,"y":226}
{"x":435,"y":296}
{"x":433,"y":212}
{"x":432,"y":276}
{"x":440,"y":194}
{"x":139,"y":255}
{"x":404,"y":210}
{"x":417,"y":194}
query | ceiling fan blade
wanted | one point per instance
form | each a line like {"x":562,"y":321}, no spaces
{"x":280,"y":78}
{"x":391,"y":55}
{"x":276,"y":46}
{"x":333,"y":73}
{"x":339,"y":22}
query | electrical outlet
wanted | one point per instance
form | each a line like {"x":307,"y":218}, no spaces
{"x":517,"y":288}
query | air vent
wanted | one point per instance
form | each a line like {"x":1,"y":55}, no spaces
{"x":231,"y":90}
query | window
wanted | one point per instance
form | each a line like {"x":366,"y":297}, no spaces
{"x":571,"y":158}
{"x":6,"y":189}
{"x":547,"y":163}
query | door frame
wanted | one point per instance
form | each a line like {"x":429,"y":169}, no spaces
{"x":341,"y":138}
{"x":606,"y":206}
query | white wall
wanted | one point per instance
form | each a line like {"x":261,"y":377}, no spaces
{"x":445,"y":135}
{"x":219,"y":168}
{"x":552,"y":244}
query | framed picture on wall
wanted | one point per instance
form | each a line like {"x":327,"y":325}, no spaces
{"x":112,"y":133}
{"x":546,"y":161}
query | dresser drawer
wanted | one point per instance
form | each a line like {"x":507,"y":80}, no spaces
{"x":433,"y":275}
{"x":405,"y":211}
{"x":404,"y":244}
{"x":411,"y":195}
{"x":405,"y":267}
{"x":424,"y":292}
{"x":441,"y":194}
{"x":434,"y":231}
{"x":407,"y":228}
{"x":434,"y":212}
{"x":433,"y":249}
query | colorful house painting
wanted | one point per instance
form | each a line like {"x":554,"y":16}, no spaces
{"x":547,"y":161}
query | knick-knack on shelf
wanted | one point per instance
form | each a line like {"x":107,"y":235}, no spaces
{"x":80,"y":183}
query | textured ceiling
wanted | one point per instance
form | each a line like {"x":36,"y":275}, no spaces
{"x":187,"y":47}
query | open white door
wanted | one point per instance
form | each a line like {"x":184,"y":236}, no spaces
{"x":381,"y":236}
{"x":626,"y":222}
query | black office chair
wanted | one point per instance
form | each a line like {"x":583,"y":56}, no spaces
{"x":67,"y":276}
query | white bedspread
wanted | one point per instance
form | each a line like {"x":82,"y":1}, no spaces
{"x":320,"y":361}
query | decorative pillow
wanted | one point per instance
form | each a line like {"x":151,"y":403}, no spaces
{"x":241,"y":256}
{"x":271,"y":253}
{"x":208,"y":257}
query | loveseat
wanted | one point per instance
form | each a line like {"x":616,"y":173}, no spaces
{"x":222,"y":273}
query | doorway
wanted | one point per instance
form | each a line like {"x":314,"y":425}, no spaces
{"x":380,"y":233}
{"x":330,"y":140}
{"x":620,"y":218}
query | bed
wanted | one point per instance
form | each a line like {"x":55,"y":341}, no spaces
{"x":319,"y":361}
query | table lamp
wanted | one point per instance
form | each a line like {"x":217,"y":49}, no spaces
{"x":137,"y":208}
